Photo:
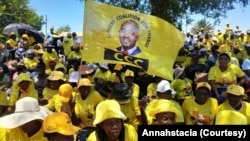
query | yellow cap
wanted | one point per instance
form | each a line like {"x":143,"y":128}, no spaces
{"x":108,"y":109}
{"x":65,"y":92}
{"x":236,"y":90}
{"x":230,"y":117}
{"x":61,"y":123}
{"x":129,"y":73}
{"x":118,"y":67}
{"x":56,"y":75}
{"x":25,"y":36}
{"x":223,"y":48}
{"x":84,"y":82}
{"x":203,"y":84}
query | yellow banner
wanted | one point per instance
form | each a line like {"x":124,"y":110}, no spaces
{"x":113,"y":34}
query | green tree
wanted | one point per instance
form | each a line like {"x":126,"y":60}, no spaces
{"x":64,"y":28}
{"x":174,"y":11}
{"x":207,"y":26}
{"x":12,"y":11}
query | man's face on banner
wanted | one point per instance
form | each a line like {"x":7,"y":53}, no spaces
{"x":128,"y":35}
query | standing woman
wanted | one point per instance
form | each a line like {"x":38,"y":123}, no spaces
{"x":224,"y":74}
{"x":110,"y":124}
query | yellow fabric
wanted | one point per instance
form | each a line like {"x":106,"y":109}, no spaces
{"x":236,"y":90}
{"x":31,"y":63}
{"x":227,"y":77}
{"x":67,"y":44}
{"x":47,"y":57}
{"x":17,"y":134}
{"x":151,"y":89}
{"x":130,"y":134}
{"x":108,"y":109}
{"x":12,"y":43}
{"x":106,"y":37}
{"x":106,"y":76}
{"x":114,"y":77}
{"x":152,"y":105}
{"x":55,"y":103}
{"x":75,"y":55}
{"x":135,"y":90}
{"x":236,"y":118}
{"x":181,"y":87}
{"x":3,"y":98}
{"x":65,"y":91}
{"x":191,"y":113}
{"x":131,"y":110}
{"x":189,"y":62}
{"x":245,"y":109}
{"x":83,"y":108}
{"x":49,"y":93}
{"x":180,"y":59}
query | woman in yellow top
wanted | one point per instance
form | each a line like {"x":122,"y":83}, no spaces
{"x":129,"y":104}
{"x":30,"y":60}
{"x":224,"y":74}
{"x":201,"y":109}
{"x":110,"y":124}
{"x":235,"y":95}
{"x":236,"y":118}
{"x":22,"y":87}
{"x":86,"y":99}
{"x":54,"y":81}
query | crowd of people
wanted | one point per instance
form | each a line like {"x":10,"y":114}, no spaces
{"x":48,"y":93}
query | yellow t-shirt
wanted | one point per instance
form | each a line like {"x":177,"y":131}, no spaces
{"x":151,"y":89}
{"x":152,"y":104}
{"x":12,"y":43}
{"x":135,"y":90}
{"x":131,"y":110}
{"x":245,"y":109}
{"x":107,"y":76}
{"x":17,"y":134}
{"x":3,"y":98}
{"x":67,"y":44}
{"x":85,"y":108}
{"x":225,"y":78}
{"x":192,"y":111}
{"x":55,"y":104}
{"x":114,"y":78}
{"x":31,"y":63}
{"x":75,"y":55}
{"x":130,"y":134}
{"x":49,"y":93}
{"x":182,"y":87}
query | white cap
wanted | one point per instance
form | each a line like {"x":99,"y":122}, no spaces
{"x":104,"y":65}
{"x":164,"y":86}
{"x":74,"y":77}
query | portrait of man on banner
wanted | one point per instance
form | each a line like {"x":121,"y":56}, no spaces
{"x":129,"y":34}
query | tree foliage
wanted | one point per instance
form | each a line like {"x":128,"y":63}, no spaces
{"x":174,"y":11}
{"x":12,"y":11}
{"x":201,"y":24}
{"x":64,"y":28}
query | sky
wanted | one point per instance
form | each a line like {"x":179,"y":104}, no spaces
{"x":71,"y":12}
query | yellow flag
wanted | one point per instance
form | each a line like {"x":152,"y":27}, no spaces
{"x":113,"y":34}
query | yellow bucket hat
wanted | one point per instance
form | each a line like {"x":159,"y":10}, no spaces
{"x":56,"y":75}
{"x":223,"y":47}
{"x":65,"y":92}
{"x":235,"y":90}
{"x":164,"y":105}
{"x":108,"y":109}
{"x":129,"y":73}
{"x":230,"y":117}
{"x":203,"y":84}
{"x":84,"y":82}
{"x":25,"y":36}
{"x":61,"y":123}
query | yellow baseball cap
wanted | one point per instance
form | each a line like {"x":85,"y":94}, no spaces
{"x":203,"y":84}
{"x":129,"y":73}
{"x":61,"y":123}
{"x":84,"y":82}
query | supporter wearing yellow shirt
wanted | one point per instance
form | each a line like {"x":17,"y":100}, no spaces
{"x":118,"y":76}
{"x":25,"y":124}
{"x":129,"y":104}
{"x":76,"y":54}
{"x":152,"y":87}
{"x":129,"y":79}
{"x":11,"y":42}
{"x":50,"y":54}
{"x":235,"y":95}
{"x":63,"y":98}
{"x":31,"y":61}
{"x":86,"y":100}
{"x":61,"y":67}
{"x":67,"y":44}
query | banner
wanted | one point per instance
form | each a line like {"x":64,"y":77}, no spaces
{"x":117,"y":35}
